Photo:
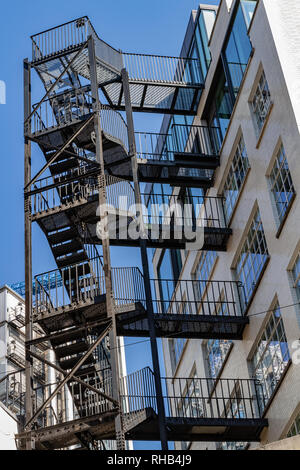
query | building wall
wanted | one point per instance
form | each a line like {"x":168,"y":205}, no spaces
{"x":8,"y":429}
{"x":282,"y":123}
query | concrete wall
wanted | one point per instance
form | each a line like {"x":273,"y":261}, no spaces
{"x":292,"y":443}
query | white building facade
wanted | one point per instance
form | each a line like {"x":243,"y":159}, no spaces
{"x":252,"y":91}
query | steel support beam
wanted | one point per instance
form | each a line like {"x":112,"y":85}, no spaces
{"x":110,"y":304}
{"x":144,"y":257}
{"x":28,"y":253}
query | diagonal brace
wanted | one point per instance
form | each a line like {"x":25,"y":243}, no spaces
{"x":68,"y":376}
{"x":77,"y":379}
{"x":55,"y":83}
{"x":56,"y":155}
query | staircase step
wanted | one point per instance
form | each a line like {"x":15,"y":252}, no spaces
{"x":70,"y":247}
{"x":63,"y":236}
{"x":69,"y":335}
{"x":70,"y":349}
{"x":71,"y":259}
{"x":70,"y":363}
{"x":64,"y":165}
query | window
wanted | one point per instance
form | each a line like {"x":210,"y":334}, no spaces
{"x":190,"y":405}
{"x":176,"y":348}
{"x":271,"y":357}
{"x":248,"y":7}
{"x":252,"y":259}
{"x":236,"y":176}
{"x":281,"y":184}
{"x":238,"y":50}
{"x":169,"y":269}
{"x":203,"y":271}
{"x":295,"y":428}
{"x":261,"y":102}
{"x":295,"y":273}
{"x":216,"y":352}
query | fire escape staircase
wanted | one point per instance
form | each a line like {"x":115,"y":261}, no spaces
{"x":70,"y":302}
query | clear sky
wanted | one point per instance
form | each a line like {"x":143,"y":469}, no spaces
{"x":156,"y":26}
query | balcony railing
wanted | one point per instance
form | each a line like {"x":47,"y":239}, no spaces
{"x":79,"y":185}
{"x":82,"y":283}
{"x":12,"y":391}
{"x":192,"y":398}
{"x":61,"y":38}
{"x":236,"y":71}
{"x":195,"y":140}
{"x":186,"y":212}
{"x":197,"y":297}
{"x":163,"y":69}
{"x":72,"y":107}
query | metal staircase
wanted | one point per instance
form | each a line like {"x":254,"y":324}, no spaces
{"x":92,"y":157}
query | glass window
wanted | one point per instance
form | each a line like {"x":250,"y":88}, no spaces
{"x":296,"y":276}
{"x":235,"y":178}
{"x":176,"y":348}
{"x":252,"y":258}
{"x":295,"y":428}
{"x":281,"y":184}
{"x":216,"y":352}
{"x":169,"y":269}
{"x":238,"y":50}
{"x":261,"y":102}
{"x":271,"y":356}
{"x":248,"y":7}
{"x":202,"y":272}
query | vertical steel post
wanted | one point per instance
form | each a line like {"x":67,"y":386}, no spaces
{"x":28,"y":248}
{"x":120,"y":438}
{"x":145,"y":264}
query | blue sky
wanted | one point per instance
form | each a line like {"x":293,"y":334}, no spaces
{"x":156,"y":26}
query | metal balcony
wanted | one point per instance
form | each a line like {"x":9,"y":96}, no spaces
{"x":157,"y":83}
{"x":78,"y":189}
{"x":196,"y":410}
{"x":190,"y":309}
{"x":186,"y":309}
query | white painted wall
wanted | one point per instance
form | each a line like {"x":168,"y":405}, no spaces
{"x":8,"y":429}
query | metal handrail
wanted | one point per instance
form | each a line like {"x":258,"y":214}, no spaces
{"x":193,"y":397}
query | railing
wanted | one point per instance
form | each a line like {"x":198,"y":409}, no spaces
{"x":80,"y":282}
{"x":79,"y":185}
{"x":192,"y":398}
{"x":16,"y":352}
{"x":152,"y":145}
{"x":60,"y":38}
{"x":61,"y":110}
{"x":113,"y":124}
{"x":203,"y":398}
{"x":163,"y":69}
{"x":197,"y":297}
{"x":236,"y":71}
{"x":73,"y":403}
{"x":198,"y":140}
{"x":84,"y":281}
{"x":187,"y":212}
{"x":12,"y":391}
{"x":73,"y":106}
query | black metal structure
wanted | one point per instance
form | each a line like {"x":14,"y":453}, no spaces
{"x":92,"y":157}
